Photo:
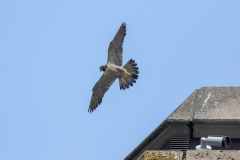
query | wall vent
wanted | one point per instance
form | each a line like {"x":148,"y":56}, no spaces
{"x":177,"y":143}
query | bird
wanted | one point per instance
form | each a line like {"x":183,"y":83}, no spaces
{"x":127,"y":74}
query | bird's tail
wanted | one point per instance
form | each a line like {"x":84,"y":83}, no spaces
{"x":132,"y":72}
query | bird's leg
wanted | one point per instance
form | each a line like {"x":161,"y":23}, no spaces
{"x":127,"y":73}
{"x":123,"y":79}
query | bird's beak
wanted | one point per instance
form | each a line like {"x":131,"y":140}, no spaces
{"x":100,"y":70}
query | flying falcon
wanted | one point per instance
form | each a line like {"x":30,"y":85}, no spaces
{"x":127,"y":74}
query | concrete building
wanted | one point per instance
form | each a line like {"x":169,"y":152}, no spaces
{"x":207,"y":111}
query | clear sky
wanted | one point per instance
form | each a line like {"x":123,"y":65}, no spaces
{"x":50,"y":53}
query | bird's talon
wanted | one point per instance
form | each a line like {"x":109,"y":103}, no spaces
{"x":128,"y":73}
{"x":123,"y":79}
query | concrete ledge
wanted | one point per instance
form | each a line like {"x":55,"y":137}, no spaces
{"x":161,"y":155}
{"x":190,"y":155}
{"x":213,"y":154}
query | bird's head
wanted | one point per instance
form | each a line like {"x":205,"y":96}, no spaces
{"x":103,"y":68}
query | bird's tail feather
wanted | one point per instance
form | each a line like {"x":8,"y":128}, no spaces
{"x":131,"y":68}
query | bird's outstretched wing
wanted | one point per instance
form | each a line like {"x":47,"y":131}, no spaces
{"x":115,"y":48}
{"x":100,"y":88}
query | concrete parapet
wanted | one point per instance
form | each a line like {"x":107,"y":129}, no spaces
{"x":213,"y":155}
{"x":190,"y":155}
{"x":161,"y":155}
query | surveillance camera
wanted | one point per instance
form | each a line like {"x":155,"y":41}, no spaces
{"x":218,"y":141}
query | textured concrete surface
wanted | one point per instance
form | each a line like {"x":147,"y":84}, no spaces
{"x":217,"y":112}
{"x":213,"y":155}
{"x":218,"y":103}
{"x":191,"y":155}
{"x":161,"y":155}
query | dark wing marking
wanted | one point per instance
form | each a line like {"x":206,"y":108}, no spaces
{"x":100,"y":88}
{"x":115,"y":48}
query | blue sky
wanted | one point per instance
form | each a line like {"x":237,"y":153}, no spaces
{"x":50,"y":53}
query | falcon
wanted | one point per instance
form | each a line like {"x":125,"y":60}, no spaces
{"x":113,"y":70}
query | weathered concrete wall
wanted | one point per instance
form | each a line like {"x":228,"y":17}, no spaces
{"x":191,"y":155}
{"x":161,"y":155}
{"x":219,"y":104}
{"x":213,"y":155}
